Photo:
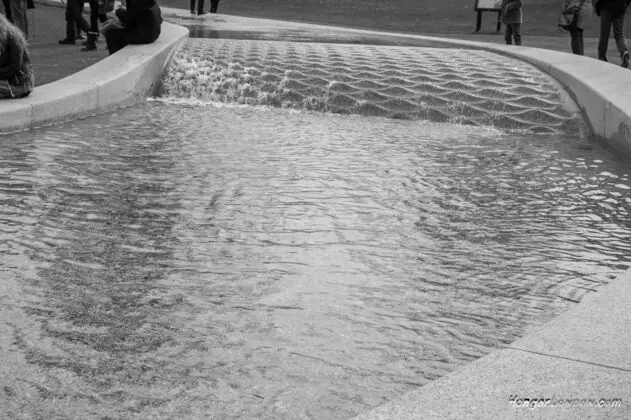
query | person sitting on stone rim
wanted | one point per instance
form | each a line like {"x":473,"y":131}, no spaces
{"x":612,"y":13}
{"x":16,"y":71}
{"x":141,"y":22}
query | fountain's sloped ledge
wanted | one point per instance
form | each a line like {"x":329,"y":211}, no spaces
{"x":124,"y":78}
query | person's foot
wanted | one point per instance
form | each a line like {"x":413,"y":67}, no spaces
{"x":67,"y":41}
{"x":88,"y":47}
{"x":192,"y":12}
{"x":201,"y":13}
{"x":625,"y":59}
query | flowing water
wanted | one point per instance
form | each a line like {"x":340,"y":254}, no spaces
{"x":441,"y":85}
{"x":181,"y":259}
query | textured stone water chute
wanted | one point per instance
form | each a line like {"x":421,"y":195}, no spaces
{"x":439,"y":85}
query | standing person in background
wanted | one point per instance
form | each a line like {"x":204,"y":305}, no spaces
{"x":75,"y":18}
{"x":571,"y":19}
{"x":612,"y":13}
{"x":16,"y":71}
{"x":213,"y":6}
{"x":200,"y":7}
{"x":512,"y":18}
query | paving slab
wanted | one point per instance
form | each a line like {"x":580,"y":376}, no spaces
{"x":498,"y":385}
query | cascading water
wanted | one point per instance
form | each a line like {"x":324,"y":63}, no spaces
{"x":439,"y":85}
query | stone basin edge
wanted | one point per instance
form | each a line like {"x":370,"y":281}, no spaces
{"x":119,"y":80}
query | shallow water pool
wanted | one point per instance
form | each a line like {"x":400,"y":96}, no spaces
{"x":180,"y":261}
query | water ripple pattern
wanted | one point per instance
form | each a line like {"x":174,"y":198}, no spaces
{"x":196,"y":262}
{"x":434,"y":84}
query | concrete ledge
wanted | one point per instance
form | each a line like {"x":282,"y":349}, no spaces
{"x":121,"y":79}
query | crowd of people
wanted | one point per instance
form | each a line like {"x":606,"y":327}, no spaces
{"x":139,"y":22}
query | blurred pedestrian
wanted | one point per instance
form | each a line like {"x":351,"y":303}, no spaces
{"x":571,"y":19}
{"x":16,"y":71}
{"x":213,"y":6}
{"x":200,"y":7}
{"x":512,"y":17}
{"x":612,"y":13}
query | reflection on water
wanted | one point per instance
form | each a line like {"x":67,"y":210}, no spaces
{"x":249,"y":263}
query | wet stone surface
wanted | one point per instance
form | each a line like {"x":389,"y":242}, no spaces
{"x":180,"y":261}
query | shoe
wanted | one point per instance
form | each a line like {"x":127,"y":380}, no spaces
{"x":201,"y":13}
{"x":67,"y":41}
{"x":91,"y":42}
{"x":625,"y":59}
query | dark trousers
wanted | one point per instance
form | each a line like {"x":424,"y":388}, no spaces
{"x":607,"y":20}
{"x":75,"y":19}
{"x":213,"y":6}
{"x":7,"y":10}
{"x":513,"y":30}
{"x":576,"y":40}
{"x":115,"y":40}
{"x":200,"y":6}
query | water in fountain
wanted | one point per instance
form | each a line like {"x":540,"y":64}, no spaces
{"x":189,"y":258}
{"x":434,"y":84}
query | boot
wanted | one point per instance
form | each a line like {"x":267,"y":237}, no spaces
{"x":69,"y":39}
{"x":91,"y":42}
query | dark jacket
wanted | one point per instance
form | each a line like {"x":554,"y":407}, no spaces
{"x":15,"y":64}
{"x":511,"y":11}
{"x":142,"y":20}
{"x":614,"y":7}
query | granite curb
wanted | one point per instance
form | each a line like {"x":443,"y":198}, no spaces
{"x":121,"y":79}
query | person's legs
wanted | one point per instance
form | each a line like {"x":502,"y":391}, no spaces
{"x":70,"y":25}
{"x":78,"y":31}
{"x":621,"y":42}
{"x":605,"y":30}
{"x":517,"y":33}
{"x":508,"y":33}
{"x":200,"y":7}
{"x":115,"y":40}
{"x":193,"y":6}
{"x":213,"y":6}
{"x":576,"y":42}
{"x":7,"y":10}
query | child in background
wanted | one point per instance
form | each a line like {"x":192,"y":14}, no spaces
{"x":571,"y":19}
{"x":512,"y":17}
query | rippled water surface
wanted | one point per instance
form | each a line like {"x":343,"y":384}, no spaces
{"x":191,"y":261}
